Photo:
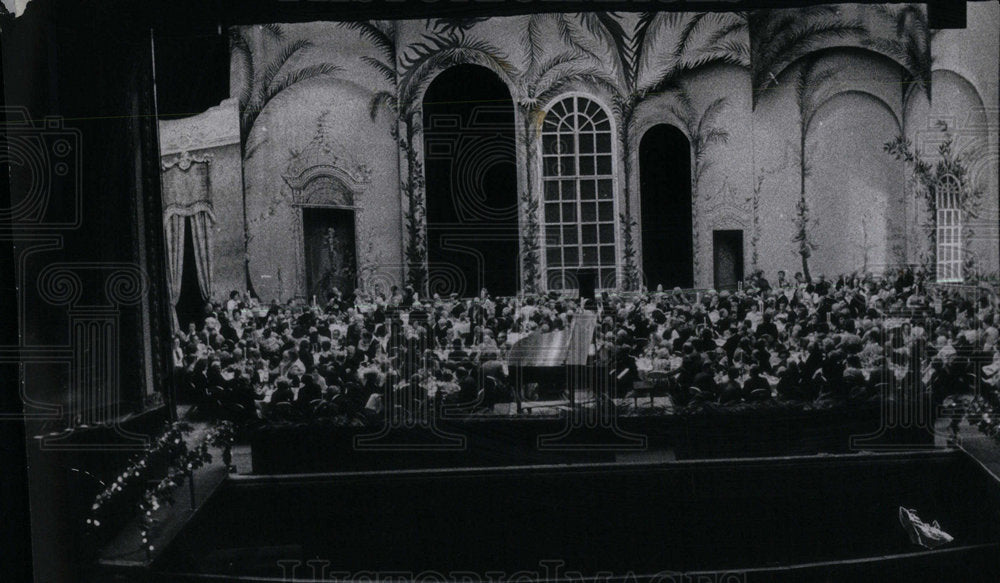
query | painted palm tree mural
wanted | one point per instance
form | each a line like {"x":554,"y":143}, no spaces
{"x":263,"y":79}
{"x":640,"y":72}
{"x":779,"y":38}
{"x":930,"y":174}
{"x":809,"y":81}
{"x":541,"y":79}
{"x":909,"y":44}
{"x":632,"y":58}
{"x":409,"y":72}
{"x":540,"y":82}
{"x":703,"y":132}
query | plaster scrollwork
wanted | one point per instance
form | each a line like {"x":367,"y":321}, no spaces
{"x":184,"y":160}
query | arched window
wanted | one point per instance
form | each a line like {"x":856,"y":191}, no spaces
{"x":949,"y":230}
{"x":578,"y":186}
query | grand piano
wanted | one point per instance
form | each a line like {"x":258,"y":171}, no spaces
{"x":547,"y":358}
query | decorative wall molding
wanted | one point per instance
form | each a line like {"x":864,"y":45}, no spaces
{"x":327,"y":184}
{"x":324,"y":172}
{"x":215,"y":127}
{"x":184,"y":160}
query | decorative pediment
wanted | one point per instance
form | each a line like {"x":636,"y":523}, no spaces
{"x":729,"y":217}
{"x":327,"y":184}
{"x":324,"y":188}
{"x":324,"y":172}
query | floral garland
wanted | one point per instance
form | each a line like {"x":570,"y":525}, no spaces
{"x":633,"y":279}
{"x":415,"y":251}
{"x":162,"y":492}
{"x":529,"y":243}
{"x":181,"y":461}
{"x":926,"y":176}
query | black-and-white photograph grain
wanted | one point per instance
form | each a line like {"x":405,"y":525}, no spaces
{"x":500,"y":292}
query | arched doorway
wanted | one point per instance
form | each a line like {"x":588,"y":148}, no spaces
{"x":471,"y":172}
{"x":665,"y":203}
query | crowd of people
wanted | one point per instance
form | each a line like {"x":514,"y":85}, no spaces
{"x":856,"y":338}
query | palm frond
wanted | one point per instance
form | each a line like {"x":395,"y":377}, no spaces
{"x":684,"y":116}
{"x":381,"y":99}
{"x":238,"y":40}
{"x":272,"y":69}
{"x":688,"y":31}
{"x":593,"y":78}
{"x":684,"y":98}
{"x":809,"y":81}
{"x":266,"y":94}
{"x":388,"y":72}
{"x":715,"y":136}
{"x":816,"y":80}
{"x":274,"y":30}
{"x":788,"y":48}
{"x":911,"y":17}
{"x":892,"y":47}
{"x":737,"y":27}
{"x":911,"y":46}
{"x":647,"y":30}
{"x":733,"y":51}
{"x":780,"y":24}
{"x":573,"y":37}
{"x":300,"y":75}
{"x":532,"y":41}
{"x":425,"y":58}
{"x":710,"y":114}
{"x":453,"y":25}
{"x":606,"y":27}
{"x":768,"y":26}
{"x":549,"y":71}
{"x":241,"y":45}
{"x":381,"y":34}
{"x":672,"y":78}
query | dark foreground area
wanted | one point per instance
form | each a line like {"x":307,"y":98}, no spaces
{"x":817,"y":518}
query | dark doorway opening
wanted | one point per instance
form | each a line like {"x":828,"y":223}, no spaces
{"x":727,"y":254}
{"x":471,"y":170}
{"x":329,"y":247}
{"x":665,"y":203}
{"x":190,"y":304}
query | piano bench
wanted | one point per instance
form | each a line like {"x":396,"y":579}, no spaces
{"x":641,"y":388}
